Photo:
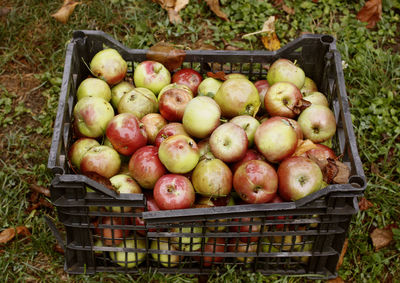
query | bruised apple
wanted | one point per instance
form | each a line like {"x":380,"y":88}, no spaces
{"x":170,"y":129}
{"x":153,"y":123}
{"x":102,"y":160}
{"x":109,"y":65}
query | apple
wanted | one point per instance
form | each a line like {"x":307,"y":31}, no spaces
{"x":277,"y":199}
{"x":212,"y":178}
{"x":109,"y":65}
{"x":298,"y":177}
{"x":179,"y":154}
{"x":281,"y":99}
{"x":249,"y":124}
{"x":174,"y":86}
{"x":213,"y":246}
{"x":255,"y":181}
{"x":262,"y":87}
{"x":162,"y":246}
{"x":201,"y":117}
{"x":125,"y":133}
{"x":171,"y":129}
{"x":235,"y":76}
{"x":152,"y":75}
{"x":105,"y":228}
{"x":238,"y":96}
{"x":173,"y":102}
{"x":237,"y":246}
{"x":153,"y":123}
{"x":317,"y":98}
{"x":187,"y":243}
{"x":118,"y":91}
{"x":321,"y":152}
{"x":91,"y":116}
{"x":79,"y":148}
{"x":275,"y":244}
{"x":102,"y":160}
{"x":317,"y":123}
{"x":151,"y":205}
{"x":308,"y":87}
{"x":139,"y":101}
{"x":145,"y":166}
{"x":229,"y":142}
{"x":188,"y":77}
{"x":296,"y":127}
{"x":283,"y":70}
{"x":173,"y":191}
{"x":210,"y":201}
{"x":251,"y":154}
{"x":204,"y":146}
{"x":276,"y":139}
{"x":246,"y":228}
{"x":124,"y":184}
{"x":209,"y":87}
{"x":93,"y":87}
{"x":133,"y":258}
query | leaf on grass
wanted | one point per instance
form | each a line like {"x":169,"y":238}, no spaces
{"x":220,"y":75}
{"x":381,"y":238}
{"x":167,"y":55}
{"x":41,"y":190}
{"x":288,"y":10}
{"x":364,"y":204}
{"x":336,"y":280}
{"x":173,"y":7}
{"x":371,"y":13}
{"x":8,"y":234}
{"x":214,"y":6}
{"x":57,"y":248}
{"x":303,"y":146}
{"x":62,"y":15}
{"x":341,"y":258}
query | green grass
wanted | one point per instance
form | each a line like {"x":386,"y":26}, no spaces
{"x":33,"y":42}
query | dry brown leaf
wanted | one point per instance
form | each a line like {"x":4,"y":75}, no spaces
{"x":214,"y":6}
{"x":287,"y":9}
{"x":101,"y":180}
{"x":303,"y":146}
{"x":381,"y":238}
{"x":300,"y":106}
{"x":62,"y":15}
{"x":41,"y":190}
{"x":7,"y":235}
{"x":268,"y":27}
{"x":220,"y":75}
{"x":271,"y":42}
{"x":336,"y":280}
{"x":341,"y":258}
{"x":334,"y":171}
{"x":167,"y":55}
{"x":22,"y":230}
{"x":371,"y":13}
{"x":173,"y":7}
{"x":364,"y":204}
{"x":57,"y":248}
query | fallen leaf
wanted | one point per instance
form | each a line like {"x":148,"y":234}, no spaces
{"x":375,"y":169}
{"x":62,"y":15}
{"x":214,"y":6}
{"x":341,"y":258}
{"x":100,"y":179}
{"x":57,"y":248}
{"x":4,"y":11}
{"x":167,"y":55}
{"x":364,"y":204}
{"x":39,"y":189}
{"x":173,"y":7}
{"x":268,"y":27}
{"x":287,"y":9}
{"x":315,"y":1}
{"x":381,"y":238}
{"x":371,"y":13}
{"x":220,"y":75}
{"x":336,"y":280}
{"x":300,"y":106}
{"x":22,"y":230}
{"x":278,"y":2}
{"x":303,"y":146}
{"x":7,"y":235}
{"x":271,"y":42}
{"x":334,"y":171}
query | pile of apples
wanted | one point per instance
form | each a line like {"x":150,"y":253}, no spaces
{"x":188,"y":141}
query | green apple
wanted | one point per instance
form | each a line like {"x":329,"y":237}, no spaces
{"x":249,"y":124}
{"x":166,"y":260}
{"x":188,"y":243}
{"x":124,"y":184}
{"x":130,"y":259}
{"x":139,"y":101}
{"x":95,"y":88}
{"x":209,"y":87}
{"x":118,"y":91}
{"x":283,"y":70}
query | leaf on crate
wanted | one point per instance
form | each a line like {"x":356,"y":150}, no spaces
{"x":342,"y":254}
{"x":220,"y":75}
{"x":334,"y":171}
{"x":63,"y":14}
{"x":364,"y":204}
{"x":371,"y":13}
{"x":303,"y":146}
{"x":214,"y":6}
{"x":101,"y":180}
{"x":8,"y":234}
{"x":167,"y":55}
{"x":381,"y":238}
{"x":336,"y":280}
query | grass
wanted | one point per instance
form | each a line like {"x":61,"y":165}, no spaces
{"x":31,"y":63}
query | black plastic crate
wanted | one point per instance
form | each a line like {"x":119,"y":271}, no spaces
{"x":301,"y":237}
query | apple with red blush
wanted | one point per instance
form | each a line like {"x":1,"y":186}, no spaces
{"x":78,"y":150}
{"x":151,"y":75}
{"x":170,"y":129}
{"x":109,"y":66}
{"x":281,"y":99}
{"x":188,"y":77}
{"x":102,"y":160}
{"x":251,"y":154}
{"x":173,"y":102}
{"x":104,"y":227}
{"x":152,"y":124}
{"x":321,"y":152}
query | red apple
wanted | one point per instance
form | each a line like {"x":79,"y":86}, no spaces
{"x":153,"y":123}
{"x":249,"y":124}
{"x":318,"y":123}
{"x":105,"y":227}
{"x":209,"y":87}
{"x":145,"y":166}
{"x":173,"y":191}
{"x":151,"y":205}
{"x":276,"y":139}
{"x":202,"y":115}
{"x":277,"y":199}
{"x":237,"y":246}
{"x":281,"y":99}
{"x":179,"y":154}
{"x":251,"y":154}
{"x":255,"y":181}
{"x":212,"y":178}
{"x":213,"y":246}
{"x":321,"y":152}
{"x":283,"y":70}
{"x":174,"y":85}
{"x":102,"y":160}
{"x":262,"y":87}
{"x":247,"y":228}
{"x":109,"y":65}
{"x":173,"y":102}
{"x":91,"y":116}
{"x":93,"y":87}
{"x":171,"y":129}
{"x":238,"y":96}
{"x":118,"y":91}
{"x":229,"y":142}
{"x":125,"y":133}
{"x":152,"y":75}
{"x":139,"y":101}
{"x":308,"y":87}
{"x":79,"y":148}
{"x":298,"y":177}
{"x":188,"y":77}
